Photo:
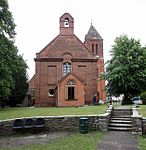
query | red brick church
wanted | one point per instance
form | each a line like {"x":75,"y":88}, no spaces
{"x":67,"y":71}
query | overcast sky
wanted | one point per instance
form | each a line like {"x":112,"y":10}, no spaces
{"x":38,"y":22}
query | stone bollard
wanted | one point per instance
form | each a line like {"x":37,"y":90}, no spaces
{"x":136,"y":122}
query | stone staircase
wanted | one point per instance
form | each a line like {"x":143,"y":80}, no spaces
{"x":120,"y":120}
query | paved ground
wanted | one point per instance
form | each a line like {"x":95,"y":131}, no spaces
{"x":12,"y":141}
{"x":118,"y":140}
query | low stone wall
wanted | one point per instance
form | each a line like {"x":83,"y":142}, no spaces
{"x":143,"y":125}
{"x":104,"y":119}
{"x":138,"y":122}
{"x":54,"y":123}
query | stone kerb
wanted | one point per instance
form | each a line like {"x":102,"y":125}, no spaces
{"x":136,"y":122}
{"x":104,"y":119}
{"x":53,"y":123}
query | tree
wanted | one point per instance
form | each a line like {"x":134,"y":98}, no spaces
{"x":126,"y":71}
{"x":21,"y":85}
{"x":10,"y":61}
{"x":7,"y":54}
{"x":7,"y":24}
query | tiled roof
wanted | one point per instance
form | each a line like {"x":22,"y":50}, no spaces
{"x":66,"y":44}
{"x":92,"y":34}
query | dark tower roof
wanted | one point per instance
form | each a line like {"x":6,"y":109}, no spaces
{"x":92,"y":34}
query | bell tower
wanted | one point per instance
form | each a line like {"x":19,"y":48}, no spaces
{"x":94,"y":42}
{"x":66,"y":24}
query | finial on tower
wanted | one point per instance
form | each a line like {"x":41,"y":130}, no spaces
{"x":91,"y":21}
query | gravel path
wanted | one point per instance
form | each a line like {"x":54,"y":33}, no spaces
{"x":12,"y":141}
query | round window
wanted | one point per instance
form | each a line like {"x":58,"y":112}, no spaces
{"x":51,"y":92}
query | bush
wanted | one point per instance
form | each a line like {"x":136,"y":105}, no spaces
{"x":143,"y":97}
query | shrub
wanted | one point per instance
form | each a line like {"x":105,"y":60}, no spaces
{"x":143,"y":97}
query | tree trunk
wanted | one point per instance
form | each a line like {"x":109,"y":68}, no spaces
{"x":3,"y":104}
{"x":126,"y":100}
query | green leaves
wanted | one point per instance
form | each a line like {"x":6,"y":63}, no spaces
{"x":126,"y":71}
{"x":12,"y":65}
{"x":7,"y":25}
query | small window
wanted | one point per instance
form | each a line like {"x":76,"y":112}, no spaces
{"x":96,"y":49}
{"x":66,"y":68}
{"x":92,"y":48}
{"x":51,"y":93}
{"x":66,"y":22}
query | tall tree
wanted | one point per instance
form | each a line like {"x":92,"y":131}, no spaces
{"x":126,"y":71}
{"x":9,"y":59}
{"x":20,"y":79}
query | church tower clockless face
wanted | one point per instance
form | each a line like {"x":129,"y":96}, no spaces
{"x":66,"y":22}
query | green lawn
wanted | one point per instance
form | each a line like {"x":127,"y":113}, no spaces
{"x":9,"y":113}
{"x":142,"y":110}
{"x":142,"y":142}
{"x":73,"y":142}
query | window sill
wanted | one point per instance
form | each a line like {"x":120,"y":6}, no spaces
{"x":51,"y":96}
{"x":71,"y":99}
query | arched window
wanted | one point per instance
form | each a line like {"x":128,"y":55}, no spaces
{"x":51,"y":92}
{"x":71,"y":90}
{"x":66,"y":68}
{"x":71,"y":83}
{"x":96,"y":49}
{"x":66,"y":22}
{"x":92,"y":48}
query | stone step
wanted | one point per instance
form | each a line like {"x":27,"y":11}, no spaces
{"x":119,"y":129}
{"x":113,"y":114}
{"x":125,"y":112}
{"x":124,"y":116}
{"x":120,"y":125}
{"x":122,"y":110}
{"x":115,"y":109}
{"x":120,"y":121}
{"x":121,"y":118}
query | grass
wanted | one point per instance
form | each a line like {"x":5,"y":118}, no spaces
{"x":10,"y":113}
{"x":142,"y":110}
{"x":73,"y":142}
{"x":142,"y":142}
{"x":116,"y":104}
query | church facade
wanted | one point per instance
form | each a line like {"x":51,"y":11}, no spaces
{"x":67,"y":71}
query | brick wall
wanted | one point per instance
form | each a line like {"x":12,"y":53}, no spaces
{"x":66,"y":47}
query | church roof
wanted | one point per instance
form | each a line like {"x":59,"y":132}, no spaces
{"x":70,"y":73}
{"x":66,"y":44}
{"x":92,"y":34}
